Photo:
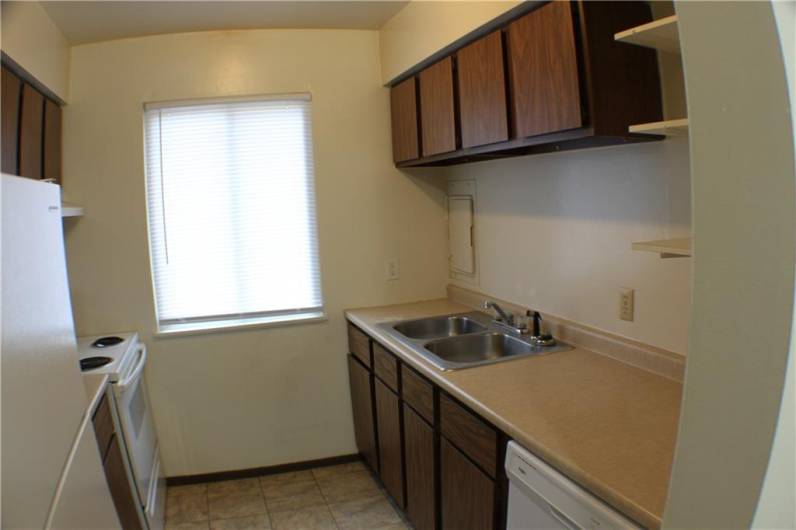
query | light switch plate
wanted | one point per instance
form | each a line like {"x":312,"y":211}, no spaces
{"x":391,"y":271}
{"x":626,"y":296}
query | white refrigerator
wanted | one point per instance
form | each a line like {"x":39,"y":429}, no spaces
{"x":52,"y":475}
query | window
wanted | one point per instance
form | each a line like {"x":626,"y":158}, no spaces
{"x":231,"y":204}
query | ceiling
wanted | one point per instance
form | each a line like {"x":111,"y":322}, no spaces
{"x":84,"y":22}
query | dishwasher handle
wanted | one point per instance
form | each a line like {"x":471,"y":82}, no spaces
{"x":563,"y":519}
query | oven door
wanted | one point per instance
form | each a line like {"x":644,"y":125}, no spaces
{"x":135,"y":415}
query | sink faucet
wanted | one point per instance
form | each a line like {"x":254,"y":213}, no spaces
{"x":507,"y":318}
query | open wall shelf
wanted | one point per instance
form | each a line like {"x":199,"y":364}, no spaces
{"x":660,"y":34}
{"x":678,"y":127}
{"x":667,"y":248}
{"x":71,"y":210}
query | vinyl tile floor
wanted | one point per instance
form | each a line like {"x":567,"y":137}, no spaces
{"x":340,"y":497}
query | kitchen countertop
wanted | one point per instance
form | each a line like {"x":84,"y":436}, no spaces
{"x":608,"y":426}
{"x":95,"y":385}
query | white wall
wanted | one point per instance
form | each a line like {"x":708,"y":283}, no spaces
{"x":424,"y":27}
{"x":777,"y":505}
{"x":265,"y":396}
{"x":31,"y":39}
{"x":553,"y":232}
{"x":744,"y":186}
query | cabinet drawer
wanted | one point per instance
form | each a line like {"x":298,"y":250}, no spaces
{"x":385,"y":365}
{"x":418,"y":393}
{"x":359,"y":344}
{"x":469,"y":433}
{"x":103,"y":425}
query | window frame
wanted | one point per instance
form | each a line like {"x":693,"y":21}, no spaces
{"x":221,"y":323}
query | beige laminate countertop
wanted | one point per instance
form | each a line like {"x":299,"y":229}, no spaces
{"x":606,"y":425}
{"x":95,"y":385}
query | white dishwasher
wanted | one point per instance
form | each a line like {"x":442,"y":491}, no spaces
{"x":542,"y":498}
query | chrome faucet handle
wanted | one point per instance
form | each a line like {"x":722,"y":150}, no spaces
{"x":508,"y":318}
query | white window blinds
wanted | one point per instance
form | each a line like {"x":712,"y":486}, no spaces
{"x":231,"y":205}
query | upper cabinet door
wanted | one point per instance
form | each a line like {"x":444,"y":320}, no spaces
{"x":543,"y":69}
{"x":52,"y":141}
{"x":403,"y":104}
{"x":437,"y":109}
{"x":11,"y":89}
{"x":30,"y":133}
{"x":482,"y":92}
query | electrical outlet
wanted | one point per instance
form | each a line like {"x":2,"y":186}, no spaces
{"x":626,"y":296}
{"x":391,"y":269}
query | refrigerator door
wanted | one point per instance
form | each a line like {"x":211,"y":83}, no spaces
{"x":83,"y":499}
{"x":42,"y":394}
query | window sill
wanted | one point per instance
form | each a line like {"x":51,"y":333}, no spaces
{"x":203,"y":328}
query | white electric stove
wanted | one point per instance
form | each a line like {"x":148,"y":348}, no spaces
{"x":123,"y":358}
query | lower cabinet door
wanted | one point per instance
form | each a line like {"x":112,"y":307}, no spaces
{"x":124,"y":498}
{"x":362,"y":409}
{"x":420,"y":475}
{"x":388,"y":422}
{"x":467,"y":493}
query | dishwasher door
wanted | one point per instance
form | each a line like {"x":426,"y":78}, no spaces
{"x":542,"y":498}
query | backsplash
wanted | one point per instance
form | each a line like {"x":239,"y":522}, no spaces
{"x":553,"y":232}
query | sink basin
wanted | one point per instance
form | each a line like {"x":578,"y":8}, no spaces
{"x":479,"y":348}
{"x":436,"y":327}
{"x":464,"y":340}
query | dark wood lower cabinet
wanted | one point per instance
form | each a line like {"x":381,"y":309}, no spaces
{"x":421,"y":495}
{"x":362,"y":409}
{"x":439,"y":461}
{"x":122,"y":494}
{"x":468,"y":495}
{"x":388,"y":425}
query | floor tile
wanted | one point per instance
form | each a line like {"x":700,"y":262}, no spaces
{"x":203,"y":525}
{"x":366,"y":514}
{"x":322,"y":472}
{"x":233,"y":504}
{"x":186,"y":508}
{"x":233,"y":487}
{"x":348,"y":486}
{"x":314,"y":518}
{"x":252,"y":522}
{"x":187,"y":489}
{"x":295,"y":495}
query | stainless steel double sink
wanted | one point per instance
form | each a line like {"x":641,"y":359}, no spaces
{"x":464,"y":340}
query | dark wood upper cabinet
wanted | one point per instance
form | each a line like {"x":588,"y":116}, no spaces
{"x":421,"y":495}
{"x":482,"y":92}
{"x":30,"y":133}
{"x":388,"y":426}
{"x":52,"y":141}
{"x":9,"y":96}
{"x":362,"y":410}
{"x":543,"y":71}
{"x":623,"y":80}
{"x":31,"y":128}
{"x":437,"y":117}
{"x":551,"y":79}
{"x":403,"y":105}
{"x":467,"y":494}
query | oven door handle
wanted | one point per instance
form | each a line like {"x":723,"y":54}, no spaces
{"x":127,"y":381}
